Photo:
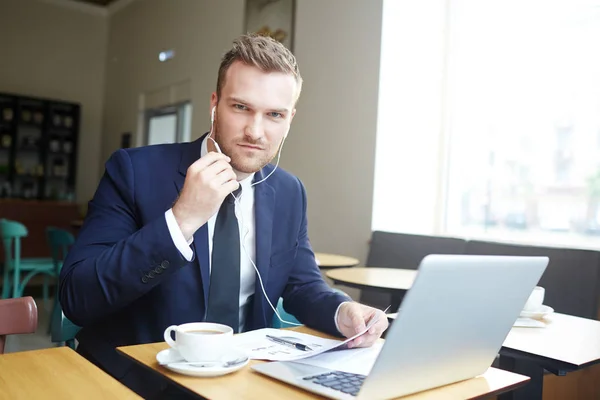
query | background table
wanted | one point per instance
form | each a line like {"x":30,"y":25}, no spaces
{"x":328,"y":261}
{"x":389,"y":280}
{"x":567,"y":344}
{"x":248,"y":384}
{"x":56,"y":373}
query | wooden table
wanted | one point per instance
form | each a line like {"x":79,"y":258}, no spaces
{"x":567,"y":344}
{"x":248,"y":384}
{"x":389,"y":280}
{"x":56,"y":373}
{"x":328,"y":261}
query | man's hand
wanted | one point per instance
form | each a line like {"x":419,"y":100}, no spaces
{"x":354,"y":317}
{"x":207,"y":182}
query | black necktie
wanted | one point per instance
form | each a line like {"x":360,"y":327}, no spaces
{"x":224,"y":291}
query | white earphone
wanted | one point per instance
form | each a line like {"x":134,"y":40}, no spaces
{"x":212,"y":124}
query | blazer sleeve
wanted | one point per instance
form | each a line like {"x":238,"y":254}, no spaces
{"x":115,"y":260}
{"x":306,"y":294}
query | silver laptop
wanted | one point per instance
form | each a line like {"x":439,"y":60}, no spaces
{"x":450,"y":327}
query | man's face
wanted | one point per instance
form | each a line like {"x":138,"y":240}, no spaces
{"x":253,"y":115}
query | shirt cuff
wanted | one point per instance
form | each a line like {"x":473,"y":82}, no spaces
{"x":182,"y":245}
{"x":335,"y":318}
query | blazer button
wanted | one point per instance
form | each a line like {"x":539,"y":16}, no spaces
{"x":158,"y":270}
{"x":164,"y":264}
{"x":151,"y":274}
{"x":144,"y":279}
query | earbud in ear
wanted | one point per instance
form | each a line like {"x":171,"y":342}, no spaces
{"x":212,"y":115}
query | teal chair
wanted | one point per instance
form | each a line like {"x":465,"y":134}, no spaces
{"x":276,"y":323}
{"x":62,"y":330}
{"x":11,"y":233}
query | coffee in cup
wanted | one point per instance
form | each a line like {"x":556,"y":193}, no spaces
{"x":536,"y":299}
{"x":200,"y":341}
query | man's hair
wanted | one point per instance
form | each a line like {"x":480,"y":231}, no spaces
{"x":262,"y":52}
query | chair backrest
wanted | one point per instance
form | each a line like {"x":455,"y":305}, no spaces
{"x":571,"y":280}
{"x":276,"y":323}
{"x":62,"y":329}
{"x":12,"y":231}
{"x":17,"y":316}
{"x":403,"y":251}
{"x":60,"y":241}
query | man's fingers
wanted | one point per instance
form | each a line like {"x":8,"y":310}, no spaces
{"x":355,"y":343}
{"x":365,"y":340}
{"x":207,"y":160}
{"x":369,"y":340}
{"x":225,"y":176}
{"x":380,"y":326}
{"x":216,"y":168}
{"x":229,"y":187}
{"x":354,"y":319}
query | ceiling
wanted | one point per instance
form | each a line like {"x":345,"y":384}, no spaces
{"x":102,"y":3}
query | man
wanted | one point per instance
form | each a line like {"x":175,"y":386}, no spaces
{"x":164,"y":243}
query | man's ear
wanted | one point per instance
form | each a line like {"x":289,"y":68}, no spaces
{"x":213,"y":100}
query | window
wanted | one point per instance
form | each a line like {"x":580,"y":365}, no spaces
{"x":512,"y":145}
{"x":169,"y":124}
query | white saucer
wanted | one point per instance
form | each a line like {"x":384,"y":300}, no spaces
{"x":169,"y":357}
{"x":537,"y":314}
{"x":529,"y":323}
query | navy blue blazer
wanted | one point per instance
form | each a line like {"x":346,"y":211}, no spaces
{"x":125,"y":282}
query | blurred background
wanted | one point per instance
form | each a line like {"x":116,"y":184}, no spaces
{"x":477,"y":120}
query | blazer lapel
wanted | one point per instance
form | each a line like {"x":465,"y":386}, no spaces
{"x":264,"y":206}
{"x":190,"y":154}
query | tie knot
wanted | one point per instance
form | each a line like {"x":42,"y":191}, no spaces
{"x":236,"y":193}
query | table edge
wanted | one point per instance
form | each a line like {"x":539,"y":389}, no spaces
{"x":161,"y":376}
{"x":386,"y":289}
{"x":505,"y":389}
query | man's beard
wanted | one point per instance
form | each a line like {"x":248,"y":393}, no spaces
{"x":249,"y":165}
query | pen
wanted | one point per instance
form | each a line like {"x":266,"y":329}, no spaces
{"x":298,"y":346}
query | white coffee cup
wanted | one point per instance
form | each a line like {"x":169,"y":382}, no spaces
{"x":536,"y":299}
{"x":200,"y":341}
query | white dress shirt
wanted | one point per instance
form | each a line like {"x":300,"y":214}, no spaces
{"x":244,"y":210}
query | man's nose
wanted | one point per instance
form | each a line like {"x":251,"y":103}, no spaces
{"x":254,"y":129}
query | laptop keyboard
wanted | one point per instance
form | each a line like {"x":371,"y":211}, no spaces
{"x":337,"y":380}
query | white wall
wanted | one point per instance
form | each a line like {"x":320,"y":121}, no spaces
{"x":199,"y":31}
{"x":331,"y":145}
{"x":57,"y":52}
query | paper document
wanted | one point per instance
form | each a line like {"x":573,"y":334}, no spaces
{"x":354,"y":361}
{"x":259,"y":347}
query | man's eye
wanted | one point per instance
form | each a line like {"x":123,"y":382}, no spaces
{"x":240,"y":107}
{"x":275,"y":115}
